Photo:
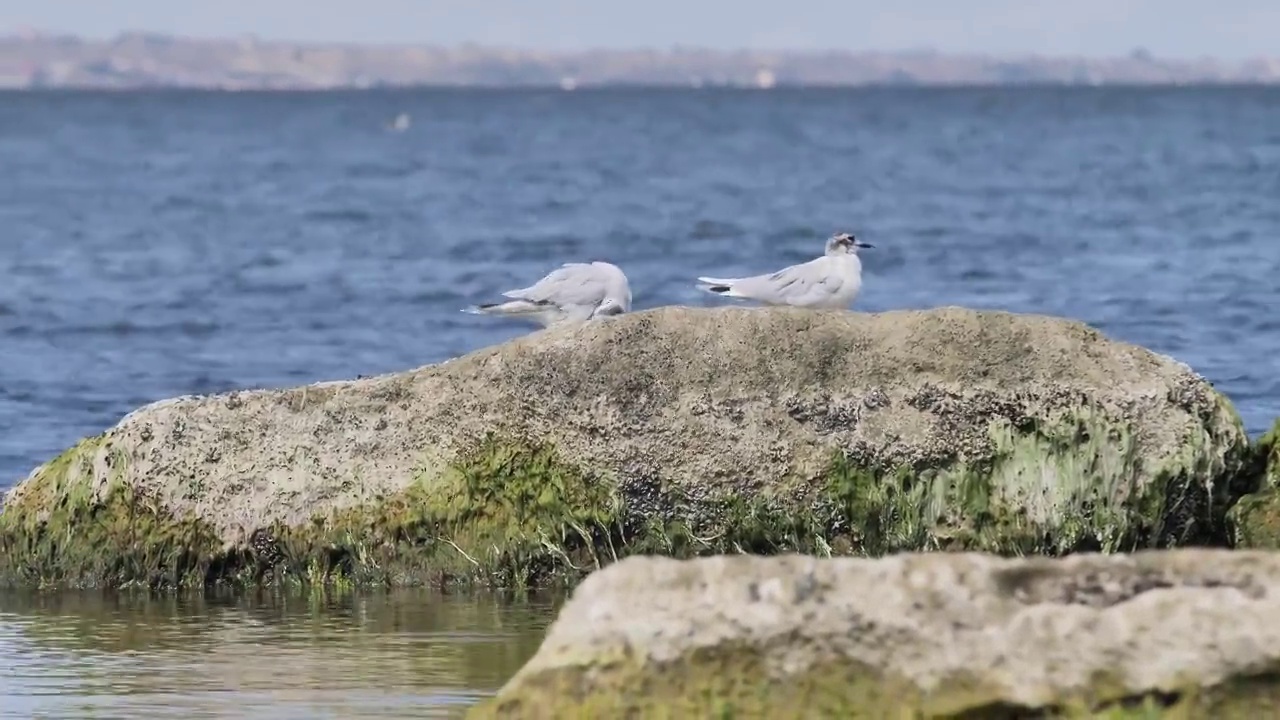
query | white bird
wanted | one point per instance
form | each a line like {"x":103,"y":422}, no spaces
{"x":830,"y":281}
{"x":572,"y":292}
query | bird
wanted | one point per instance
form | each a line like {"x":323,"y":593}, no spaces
{"x":830,"y":281}
{"x":573,"y":292}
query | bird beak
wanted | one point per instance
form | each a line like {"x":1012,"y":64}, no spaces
{"x":863,"y":245}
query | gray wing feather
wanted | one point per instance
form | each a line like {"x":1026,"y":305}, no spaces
{"x":805,"y":280}
{"x":570,"y":284}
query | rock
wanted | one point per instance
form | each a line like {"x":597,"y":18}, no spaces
{"x":955,"y":635}
{"x":676,"y":431}
{"x":1269,"y":449}
{"x":1255,"y":519}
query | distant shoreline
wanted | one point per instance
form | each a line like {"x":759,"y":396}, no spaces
{"x":624,"y":87}
{"x":146,"y":61}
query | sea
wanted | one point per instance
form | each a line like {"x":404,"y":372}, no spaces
{"x":163,"y":243}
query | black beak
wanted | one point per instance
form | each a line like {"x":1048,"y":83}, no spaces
{"x":863,"y":245}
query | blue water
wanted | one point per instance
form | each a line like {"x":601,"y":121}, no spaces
{"x":157,"y":244}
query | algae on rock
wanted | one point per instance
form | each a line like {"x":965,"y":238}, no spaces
{"x":673,"y":431}
{"x":1177,"y":634}
{"x":509,"y":514}
{"x":1255,"y":518}
{"x":505,"y":514}
{"x":62,"y":529}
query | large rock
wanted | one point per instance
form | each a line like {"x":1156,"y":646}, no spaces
{"x":678,"y":431}
{"x":1192,"y":633}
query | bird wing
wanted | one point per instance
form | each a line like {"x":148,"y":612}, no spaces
{"x":795,"y":285}
{"x":570,"y":284}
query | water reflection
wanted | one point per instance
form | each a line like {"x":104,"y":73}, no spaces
{"x":261,"y":655}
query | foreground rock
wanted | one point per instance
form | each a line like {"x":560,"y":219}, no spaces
{"x":1189,"y":632}
{"x":676,"y":431}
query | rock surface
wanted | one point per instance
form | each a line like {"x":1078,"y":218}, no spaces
{"x":1179,"y":633}
{"x":677,"y":431}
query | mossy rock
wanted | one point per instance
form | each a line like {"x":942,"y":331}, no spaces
{"x":505,"y":516}
{"x":1255,"y":519}
{"x":1269,"y":447}
{"x":1156,"y":634}
{"x":63,"y":528}
{"x":676,"y":431}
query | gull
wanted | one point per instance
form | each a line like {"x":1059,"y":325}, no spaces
{"x":830,"y":281}
{"x":571,"y":292}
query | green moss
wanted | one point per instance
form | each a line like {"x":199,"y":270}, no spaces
{"x":737,"y":682}
{"x":1051,"y":490}
{"x":509,"y":514}
{"x":65,"y":532}
{"x":1269,"y":452}
{"x":1255,"y":518}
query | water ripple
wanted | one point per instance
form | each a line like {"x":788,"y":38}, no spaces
{"x":259,"y":656}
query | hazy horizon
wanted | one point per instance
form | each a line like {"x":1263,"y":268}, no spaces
{"x":1096,"y":28}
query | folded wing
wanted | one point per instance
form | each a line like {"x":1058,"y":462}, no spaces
{"x":803,"y":284}
{"x":573,"y":284}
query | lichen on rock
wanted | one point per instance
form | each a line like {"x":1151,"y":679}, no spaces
{"x":1171,"y":634}
{"x":673,"y":431}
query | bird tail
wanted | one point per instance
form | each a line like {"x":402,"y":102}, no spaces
{"x":718,"y":286}
{"x":514,"y":308}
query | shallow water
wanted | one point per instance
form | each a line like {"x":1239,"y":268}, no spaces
{"x":397,"y":655}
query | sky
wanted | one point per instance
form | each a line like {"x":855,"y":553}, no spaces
{"x":1228,"y":29}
